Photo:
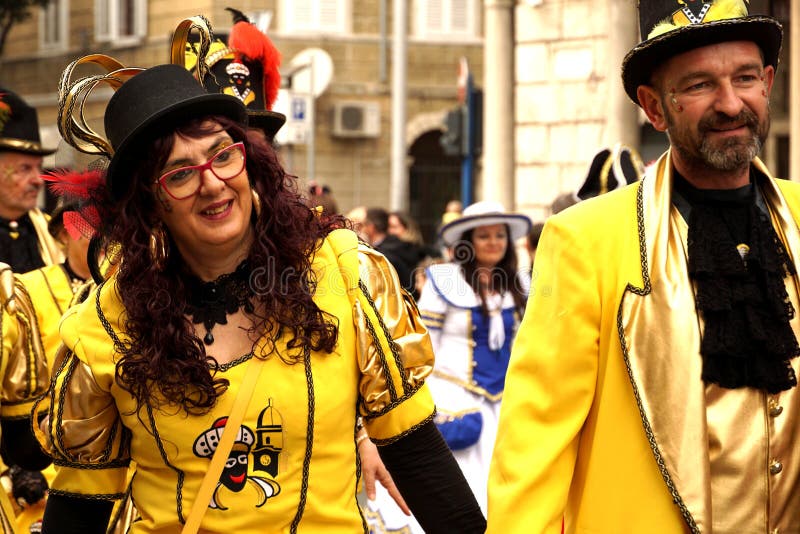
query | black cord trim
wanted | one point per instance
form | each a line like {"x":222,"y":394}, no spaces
{"x":93,"y":497}
{"x":379,"y":349}
{"x":309,"y":441}
{"x":181,"y":475}
{"x":389,"y":441}
{"x":113,"y":464}
{"x":233,"y":363}
{"x":648,"y":430}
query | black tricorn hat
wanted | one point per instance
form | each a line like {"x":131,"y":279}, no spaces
{"x":19,"y":126}
{"x":672,"y":27}
{"x":247,"y":68}
{"x":154,"y":101}
{"x":611,"y":168}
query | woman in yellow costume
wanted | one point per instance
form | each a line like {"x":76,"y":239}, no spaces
{"x":233,"y":351}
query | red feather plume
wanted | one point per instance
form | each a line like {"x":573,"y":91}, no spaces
{"x":251,"y":42}
{"x":75,"y":184}
{"x":83,"y":187}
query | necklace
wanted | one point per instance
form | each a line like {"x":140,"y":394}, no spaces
{"x":210,"y":303}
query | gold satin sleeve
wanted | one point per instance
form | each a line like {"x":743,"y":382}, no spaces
{"x":83,"y":431}
{"x":26,"y":374}
{"x":83,"y":425}
{"x":394,"y":351}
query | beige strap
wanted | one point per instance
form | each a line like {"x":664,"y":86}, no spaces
{"x":200,"y":504}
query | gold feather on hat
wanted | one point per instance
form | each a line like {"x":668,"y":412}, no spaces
{"x":717,"y":10}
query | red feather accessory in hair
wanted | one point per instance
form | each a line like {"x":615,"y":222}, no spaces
{"x":252,"y":43}
{"x":83,"y":188}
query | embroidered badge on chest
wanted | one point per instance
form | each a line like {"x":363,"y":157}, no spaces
{"x":265,"y":445}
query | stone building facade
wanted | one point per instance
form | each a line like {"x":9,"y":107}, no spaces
{"x":570,"y":102}
{"x":354,"y":34}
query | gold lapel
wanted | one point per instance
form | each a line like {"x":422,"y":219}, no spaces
{"x":660,"y":341}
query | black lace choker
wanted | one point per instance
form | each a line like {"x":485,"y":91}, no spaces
{"x":210,"y":303}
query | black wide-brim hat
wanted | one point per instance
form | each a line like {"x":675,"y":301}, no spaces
{"x":694,"y":24}
{"x":153,"y":102}
{"x":19,"y":126}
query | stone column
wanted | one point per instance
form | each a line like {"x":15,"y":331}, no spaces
{"x":498,"y":176}
{"x":622,"y":115}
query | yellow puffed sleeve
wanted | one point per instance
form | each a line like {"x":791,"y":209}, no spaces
{"x":393,"y":347}
{"x":26,"y":375}
{"x":83,"y":431}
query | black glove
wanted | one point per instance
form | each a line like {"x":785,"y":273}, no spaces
{"x":28,"y":487}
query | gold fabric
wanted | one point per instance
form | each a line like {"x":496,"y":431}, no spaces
{"x":714,"y":443}
{"x":387,"y":326}
{"x":52,"y":252}
{"x":25,"y":373}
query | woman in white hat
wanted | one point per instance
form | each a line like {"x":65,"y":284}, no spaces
{"x":472,"y":307}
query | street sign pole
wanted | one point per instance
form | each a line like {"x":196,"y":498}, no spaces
{"x":468,"y":162}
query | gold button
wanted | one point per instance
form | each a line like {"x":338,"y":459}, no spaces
{"x":774,"y":531}
{"x":775,"y":467}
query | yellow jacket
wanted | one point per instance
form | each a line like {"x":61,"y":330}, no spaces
{"x":592,"y":431}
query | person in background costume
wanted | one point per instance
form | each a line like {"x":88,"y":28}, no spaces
{"x":653,"y":382}
{"x":472,"y":307}
{"x":25,"y":243}
{"x":42,"y":296}
{"x":238,"y":342}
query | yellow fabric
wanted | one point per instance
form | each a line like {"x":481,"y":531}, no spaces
{"x":571,"y":442}
{"x":23,"y":364}
{"x":93,"y":431}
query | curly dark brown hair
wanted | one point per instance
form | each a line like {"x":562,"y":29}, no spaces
{"x":160,"y":352}
{"x":504,"y":276}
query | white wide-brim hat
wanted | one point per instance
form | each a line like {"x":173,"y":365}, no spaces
{"x":485,"y":213}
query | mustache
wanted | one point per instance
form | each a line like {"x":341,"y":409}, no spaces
{"x":718,"y":120}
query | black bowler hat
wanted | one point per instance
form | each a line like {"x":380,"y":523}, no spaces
{"x":150,"y":103}
{"x":247,"y":68}
{"x":672,"y":27}
{"x":19,"y":126}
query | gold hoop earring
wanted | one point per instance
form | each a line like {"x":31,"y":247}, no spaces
{"x":158,"y":247}
{"x":256,"y":202}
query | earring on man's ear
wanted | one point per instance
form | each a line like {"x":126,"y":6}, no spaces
{"x":158,"y":247}
{"x":256,"y":201}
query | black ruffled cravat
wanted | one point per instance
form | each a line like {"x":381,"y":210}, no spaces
{"x":739,"y":264}
{"x":210,"y":303}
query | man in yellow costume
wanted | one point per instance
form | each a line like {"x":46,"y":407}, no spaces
{"x":652,"y":387}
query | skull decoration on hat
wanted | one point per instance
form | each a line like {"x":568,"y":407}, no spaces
{"x":245,"y":67}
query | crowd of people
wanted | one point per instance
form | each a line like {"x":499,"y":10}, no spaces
{"x":196,"y":341}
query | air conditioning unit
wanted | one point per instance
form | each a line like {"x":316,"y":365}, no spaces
{"x":356,"y":119}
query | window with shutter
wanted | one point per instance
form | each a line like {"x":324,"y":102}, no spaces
{"x":315,"y":16}
{"x":120,"y":22}
{"x":53,"y":29}
{"x":446,"y":19}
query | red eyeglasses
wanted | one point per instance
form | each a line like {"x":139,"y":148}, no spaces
{"x":185,"y":182}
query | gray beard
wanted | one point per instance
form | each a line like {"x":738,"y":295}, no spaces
{"x":731,"y":157}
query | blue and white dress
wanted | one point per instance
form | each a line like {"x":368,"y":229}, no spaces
{"x":472,"y":354}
